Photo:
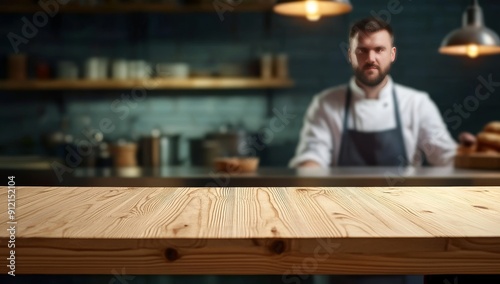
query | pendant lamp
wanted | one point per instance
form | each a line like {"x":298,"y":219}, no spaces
{"x":313,"y":10}
{"x":474,"y":38}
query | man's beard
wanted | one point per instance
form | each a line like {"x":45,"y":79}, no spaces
{"x":359,"y":73}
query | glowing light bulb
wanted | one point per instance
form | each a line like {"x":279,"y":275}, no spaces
{"x":472,"y":50}
{"x":312,"y":10}
{"x":311,"y":7}
{"x":313,"y":17}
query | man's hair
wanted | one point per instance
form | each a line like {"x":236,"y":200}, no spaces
{"x":370,"y":25}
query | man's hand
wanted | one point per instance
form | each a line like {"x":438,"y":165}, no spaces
{"x":467,"y":139}
{"x":468,"y":143}
{"x":309,"y":164}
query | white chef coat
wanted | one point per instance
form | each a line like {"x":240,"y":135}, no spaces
{"x":422,"y":125}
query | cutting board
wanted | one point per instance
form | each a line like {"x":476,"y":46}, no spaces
{"x":478,"y":161}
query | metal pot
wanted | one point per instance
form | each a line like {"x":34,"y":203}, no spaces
{"x":202,"y":152}
{"x":230,"y":142}
{"x":149,"y":150}
{"x":160,"y":150}
{"x":169,"y":150}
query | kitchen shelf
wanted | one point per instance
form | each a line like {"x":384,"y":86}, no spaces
{"x":138,"y":7}
{"x":148,"y":84}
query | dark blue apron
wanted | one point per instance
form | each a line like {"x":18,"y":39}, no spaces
{"x":376,"y":148}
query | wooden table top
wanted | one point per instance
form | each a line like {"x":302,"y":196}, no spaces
{"x":349,"y":230}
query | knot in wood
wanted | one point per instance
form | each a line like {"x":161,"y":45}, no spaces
{"x":171,"y":254}
{"x":278,"y":247}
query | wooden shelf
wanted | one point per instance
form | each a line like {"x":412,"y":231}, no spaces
{"x":137,"y":7}
{"x":148,"y":84}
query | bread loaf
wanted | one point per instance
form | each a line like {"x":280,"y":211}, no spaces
{"x":492,"y":127}
{"x":485,"y":149}
{"x":487,"y":142}
{"x":489,"y":139}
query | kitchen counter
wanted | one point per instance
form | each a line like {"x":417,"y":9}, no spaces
{"x":263,"y":230}
{"x":200,"y":177}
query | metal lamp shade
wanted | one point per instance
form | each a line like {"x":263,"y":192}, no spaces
{"x":325,"y":7}
{"x":472,"y":37}
{"x":459,"y":41}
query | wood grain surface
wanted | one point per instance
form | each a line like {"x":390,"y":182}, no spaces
{"x":478,"y":161}
{"x":378,"y":230}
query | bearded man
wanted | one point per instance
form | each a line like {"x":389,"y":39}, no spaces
{"x":372,"y":121}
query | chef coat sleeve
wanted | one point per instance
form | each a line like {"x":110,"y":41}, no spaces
{"x":315,"y":138}
{"x":433,"y":138}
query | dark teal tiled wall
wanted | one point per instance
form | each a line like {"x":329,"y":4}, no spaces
{"x":316,"y":62}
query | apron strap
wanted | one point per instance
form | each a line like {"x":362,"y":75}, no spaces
{"x":399,"y":125}
{"x":344,"y":123}
{"x":346,"y":109}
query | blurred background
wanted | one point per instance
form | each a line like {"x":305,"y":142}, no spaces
{"x":98,"y":46}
